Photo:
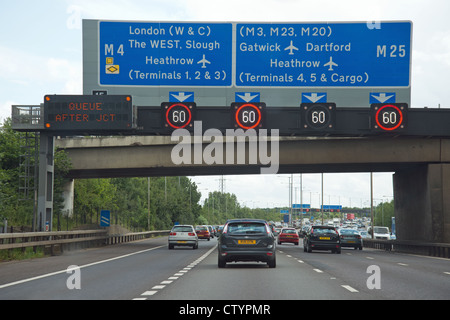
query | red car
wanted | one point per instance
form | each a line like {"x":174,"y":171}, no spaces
{"x":203,"y":232}
{"x":288,"y":235}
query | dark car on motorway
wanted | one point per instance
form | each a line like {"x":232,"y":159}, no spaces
{"x":322,"y":238}
{"x":247,"y":240}
{"x":351,"y":238}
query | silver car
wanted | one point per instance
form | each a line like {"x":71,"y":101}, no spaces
{"x":183,"y":235}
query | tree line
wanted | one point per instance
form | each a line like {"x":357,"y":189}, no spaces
{"x":138,"y":204}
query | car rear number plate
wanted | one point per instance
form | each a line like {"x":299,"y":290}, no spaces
{"x":246,"y":241}
{"x":324,"y":238}
{"x":181,"y":241}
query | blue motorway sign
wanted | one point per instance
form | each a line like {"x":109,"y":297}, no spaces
{"x":105,"y":218}
{"x":165,"y":54}
{"x":323,"y":54}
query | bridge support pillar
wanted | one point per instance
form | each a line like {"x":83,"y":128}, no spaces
{"x":422,"y":203}
{"x":46,"y":178}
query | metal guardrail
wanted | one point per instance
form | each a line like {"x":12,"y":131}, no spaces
{"x":441,"y":250}
{"x":57,"y":241}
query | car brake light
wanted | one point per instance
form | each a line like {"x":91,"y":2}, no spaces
{"x":191,"y":234}
{"x":173,"y":234}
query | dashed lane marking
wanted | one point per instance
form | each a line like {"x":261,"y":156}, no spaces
{"x":174,"y":277}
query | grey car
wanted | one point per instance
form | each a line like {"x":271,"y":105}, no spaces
{"x":183,"y":235}
{"x":247,"y":240}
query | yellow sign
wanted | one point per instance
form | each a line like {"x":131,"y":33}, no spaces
{"x":112,"y":69}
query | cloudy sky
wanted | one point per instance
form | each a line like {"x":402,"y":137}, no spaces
{"x":41,"y":53}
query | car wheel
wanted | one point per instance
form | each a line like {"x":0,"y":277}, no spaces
{"x":309,"y":249}
{"x":170,"y":246}
{"x":272,"y":263}
{"x":338,"y":251}
{"x":221,"y":263}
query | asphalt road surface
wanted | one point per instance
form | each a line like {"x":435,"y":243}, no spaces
{"x":147,"y":270}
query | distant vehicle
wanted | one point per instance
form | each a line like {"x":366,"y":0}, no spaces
{"x":183,"y":235}
{"x":219,"y":230}
{"x":211,"y":231}
{"x":364,"y":234}
{"x":288,"y":235}
{"x":351,"y":238}
{"x":380,"y":233}
{"x":203,"y":232}
{"x":322,"y":238}
{"x":276,"y":231}
{"x":247,"y":240}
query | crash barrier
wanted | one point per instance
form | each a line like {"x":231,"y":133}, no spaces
{"x":441,"y":250}
{"x":56,"y":242}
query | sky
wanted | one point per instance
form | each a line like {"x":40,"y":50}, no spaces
{"x":41,"y":53}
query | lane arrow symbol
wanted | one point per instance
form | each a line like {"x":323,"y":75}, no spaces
{"x":314,"y":97}
{"x":247,"y":97}
{"x":181,"y":96}
{"x":382,"y":97}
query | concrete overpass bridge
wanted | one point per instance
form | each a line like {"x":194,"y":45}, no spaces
{"x":421,"y":166}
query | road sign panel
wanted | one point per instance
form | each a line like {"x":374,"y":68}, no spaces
{"x":88,"y":113}
{"x":318,"y":116}
{"x":248,"y":115}
{"x":165,"y":53}
{"x":314,"y":97}
{"x":149,"y":60}
{"x":389,"y":117}
{"x":181,"y":97}
{"x":178,"y":115}
{"x":382,"y":97}
{"x":105,"y":218}
{"x":247,"y":97}
{"x":323,"y":54}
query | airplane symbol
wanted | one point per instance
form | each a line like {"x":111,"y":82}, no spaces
{"x":204,"y":62}
{"x":291,"y":47}
{"x":331,"y":64}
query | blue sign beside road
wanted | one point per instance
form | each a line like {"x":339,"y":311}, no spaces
{"x":105,"y":218}
{"x":165,"y":53}
{"x":323,"y":54}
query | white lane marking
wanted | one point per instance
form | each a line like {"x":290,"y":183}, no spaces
{"x":318,"y":270}
{"x":175,"y":276}
{"x":158,"y":287}
{"x":403,"y":264}
{"x":349,"y":288}
{"x":84,"y":266}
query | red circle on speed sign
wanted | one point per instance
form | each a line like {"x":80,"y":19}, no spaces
{"x":396,"y":124}
{"x":180,"y":124}
{"x":251,"y":122}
